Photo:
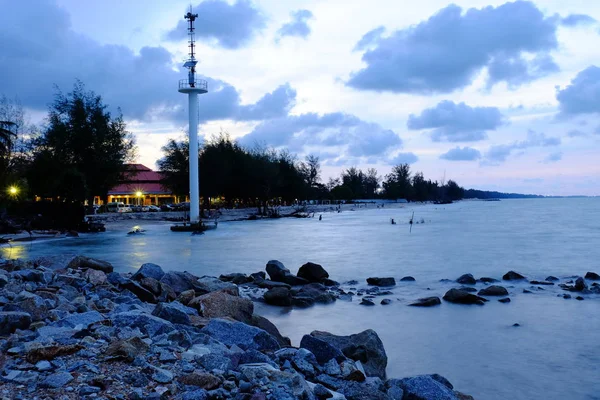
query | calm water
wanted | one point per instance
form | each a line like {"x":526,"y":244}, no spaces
{"x":554,"y":354}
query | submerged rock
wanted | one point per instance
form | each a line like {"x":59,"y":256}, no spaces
{"x":488,"y":280}
{"x":427,"y":302}
{"x":367,"y":302}
{"x":541,"y":283}
{"x":592,"y":276}
{"x":512,"y":276}
{"x":462,"y":297}
{"x":407,"y":279}
{"x":278,"y":296}
{"x":505,"y":300}
{"x":493,"y":290}
{"x":466,"y":279}
{"x":551,"y":278}
{"x":388,"y":281}
{"x":580,"y":284}
{"x":312,"y":272}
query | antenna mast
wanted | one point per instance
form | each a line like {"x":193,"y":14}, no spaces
{"x":191,"y":62}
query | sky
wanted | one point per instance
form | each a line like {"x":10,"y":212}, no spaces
{"x":495,"y":95}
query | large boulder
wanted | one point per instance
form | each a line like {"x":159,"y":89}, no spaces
{"x":208,"y":284}
{"x":493,"y":290}
{"x":179,"y":281}
{"x":512,"y":276}
{"x":279,"y":273}
{"x":389,"y":281}
{"x":462,"y":297}
{"x":141,"y":292}
{"x":580,"y":285}
{"x":222,"y":305}
{"x":427,"y":302}
{"x":278,"y":296}
{"x":424,"y":387}
{"x":95,"y":277}
{"x":266,"y":325}
{"x":322,"y":350}
{"x":92,"y":263}
{"x":174,"y":312}
{"x":311,"y":294}
{"x":365,"y":347}
{"x":244,"y":336}
{"x":466,"y":279}
{"x":149,"y":270}
{"x":10,"y":321}
{"x":312,"y":272}
{"x":146,"y":323}
{"x":65,"y":261}
{"x":592,"y":276}
{"x":127,"y":349}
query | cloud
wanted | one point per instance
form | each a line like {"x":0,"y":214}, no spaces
{"x":576,"y":133}
{"x":298,"y":26}
{"x":448,"y":50}
{"x":582,"y":96}
{"x":577,"y":19}
{"x":337,"y":133}
{"x":499,"y":153}
{"x":554,"y":157}
{"x":143,"y":85}
{"x":461,"y":154}
{"x":403,"y":158}
{"x":457,"y":122}
{"x":227,"y":25}
{"x":369,"y":39}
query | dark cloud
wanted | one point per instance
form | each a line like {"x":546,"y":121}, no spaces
{"x":228,"y":25}
{"x":448,"y":50}
{"x":369,"y":39}
{"x":143,"y":85}
{"x":457,"y":122}
{"x":554,"y":157}
{"x":582,"y":96}
{"x":461,"y":154}
{"x":403,"y":158}
{"x":343,"y":134}
{"x":577,"y":19}
{"x":298,"y":26}
{"x":499,"y":153}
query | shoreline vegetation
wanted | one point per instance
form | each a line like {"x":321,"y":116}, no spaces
{"x":71,"y":328}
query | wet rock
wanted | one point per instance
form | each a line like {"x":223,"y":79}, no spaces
{"x":366,"y":302}
{"x":424,"y":387}
{"x":179,"y":281}
{"x":221,"y":305}
{"x":240,"y":334}
{"x":512,"y":276}
{"x":149,"y":270}
{"x":200,"y":379}
{"x":580,"y":285}
{"x":566,"y":296}
{"x":427,"y":302}
{"x":504,"y":300}
{"x":236,"y":278}
{"x":268,"y":284}
{"x":579,"y":298}
{"x":322,"y":350}
{"x":209,"y":284}
{"x":312,"y":293}
{"x":329,"y":282}
{"x":488,"y":280}
{"x":258,"y":276}
{"x":266,"y":325}
{"x":173,"y":312}
{"x":592,"y":276}
{"x":466,"y":279}
{"x":365,"y":347}
{"x":462,"y":297}
{"x":551,"y":279}
{"x":279,"y":273}
{"x":526,"y":291}
{"x":385,"y":302}
{"x":127,"y":349}
{"x":278,"y":296}
{"x":312,"y":272}
{"x":10,"y":321}
{"x":95,"y":277}
{"x":142,"y":293}
{"x":541,"y":283}
{"x":57,"y":380}
{"x":408,"y":279}
{"x":375,"y":281}
{"x":493,"y":290}
{"x":152,"y":285}
{"x":468,"y":289}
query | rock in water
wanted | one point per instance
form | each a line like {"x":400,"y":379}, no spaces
{"x":580,"y":284}
{"x":512,"y":276}
{"x":245,"y":336}
{"x":407,"y":279}
{"x":466,"y":279}
{"x":276,"y":270}
{"x":149,"y":270}
{"x":505,"y":300}
{"x":278,"y":296}
{"x":388,"y":281}
{"x":427,"y":302}
{"x":10,"y":321}
{"x":551,"y":279}
{"x":365,"y":347}
{"x":592,"y":276}
{"x":493,"y":290}
{"x":367,"y":302}
{"x":487,"y":280}
{"x":462,"y":297}
{"x":385,"y":302}
{"x":312,"y":272}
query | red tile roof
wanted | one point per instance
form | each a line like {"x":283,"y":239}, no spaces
{"x":139,"y":178}
{"x":131,"y":188}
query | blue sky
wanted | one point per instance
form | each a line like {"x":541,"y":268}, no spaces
{"x":496,"y":95}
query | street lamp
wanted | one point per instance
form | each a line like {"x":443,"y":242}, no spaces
{"x":139,"y":195}
{"x":13,"y":191}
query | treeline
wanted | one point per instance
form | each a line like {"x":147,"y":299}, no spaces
{"x":482,"y":194}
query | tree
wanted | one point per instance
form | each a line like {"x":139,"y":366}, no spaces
{"x":453,"y":191}
{"x":84,"y":144}
{"x":397,"y":184}
{"x":174,"y":167}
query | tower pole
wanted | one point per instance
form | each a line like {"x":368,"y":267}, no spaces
{"x":194,"y":178}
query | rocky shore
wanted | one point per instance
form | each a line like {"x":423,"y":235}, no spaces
{"x":72,"y":328}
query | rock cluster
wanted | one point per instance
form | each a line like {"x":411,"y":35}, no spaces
{"x":77,"y":330}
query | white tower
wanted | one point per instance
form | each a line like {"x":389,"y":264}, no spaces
{"x":193,"y":87}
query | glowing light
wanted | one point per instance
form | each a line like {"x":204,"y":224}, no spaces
{"x":13,"y":190}
{"x":139,"y":194}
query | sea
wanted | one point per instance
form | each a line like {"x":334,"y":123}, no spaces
{"x":554,"y":353}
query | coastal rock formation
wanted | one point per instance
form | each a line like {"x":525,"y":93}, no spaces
{"x":512,"y":276}
{"x":580,"y":285}
{"x":461,"y":297}
{"x":389,"y":281}
{"x":278,"y":296}
{"x":149,"y":270}
{"x":551,"y":279}
{"x":466,"y":279}
{"x":312,"y":272}
{"x":408,"y":279}
{"x":592,"y":276}
{"x":279,"y":273}
{"x":427,"y":302}
{"x":488,"y":280}
{"x":493,"y":290}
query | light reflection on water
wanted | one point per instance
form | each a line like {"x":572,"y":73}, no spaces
{"x":553,"y":355}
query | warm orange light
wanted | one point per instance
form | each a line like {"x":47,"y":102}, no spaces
{"x":139,"y":194}
{"x":13,"y":190}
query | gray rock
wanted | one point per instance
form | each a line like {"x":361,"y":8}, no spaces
{"x":493,"y":290}
{"x":82,"y":320}
{"x":266,"y":325}
{"x":141,"y":292}
{"x":312,"y":272}
{"x":161,"y":375}
{"x":580,"y":285}
{"x":198,"y":394}
{"x":236,"y":278}
{"x":504,"y":300}
{"x":305,"y":362}
{"x":114,"y":278}
{"x":466,"y":279}
{"x":20,"y":377}
{"x":487,"y":280}
{"x":322,"y":392}
{"x":240,"y":334}
{"x":278,"y":296}
{"x":366,"y":302}
{"x":312,"y":293}
{"x":276,"y":270}
{"x":394,"y":389}
{"x":427,"y":302}
{"x":43,"y":366}
{"x":385,"y":302}
{"x":512,"y":276}
{"x":408,"y":279}
{"x":268,"y":284}
{"x":221,"y":304}
{"x":173,"y":312}
{"x":592,"y":276}
{"x":214,"y":361}
{"x":551,"y":278}
{"x":462,"y":297}
{"x":389,"y":281}
{"x":29,"y":275}
{"x":57,"y":380}
{"x":86,"y":390}
{"x":322,"y":350}
{"x":10,"y":321}
{"x":149,"y":270}
{"x":208,"y":284}
{"x":179,"y":281}
{"x":365,"y":347}
{"x":146,"y":323}
{"x":424,"y":387}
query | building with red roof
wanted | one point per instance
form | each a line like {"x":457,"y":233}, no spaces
{"x":140,"y":185}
